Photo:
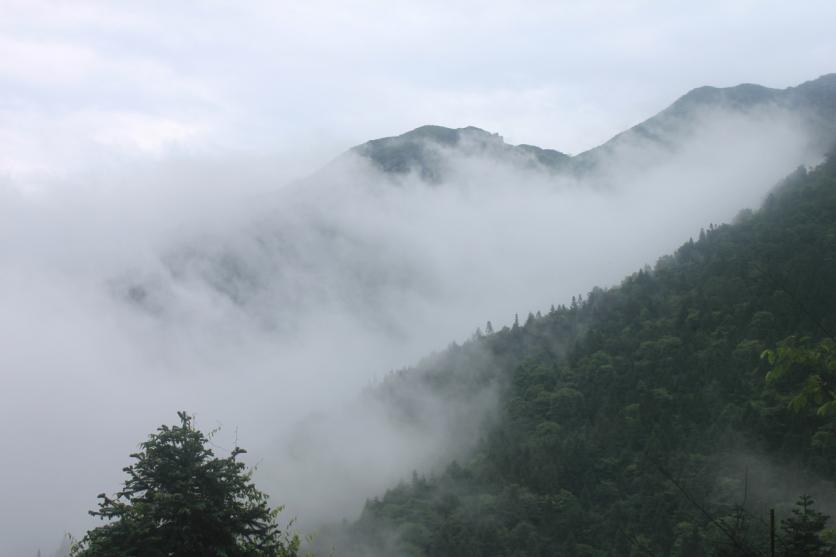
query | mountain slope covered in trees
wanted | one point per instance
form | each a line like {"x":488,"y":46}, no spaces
{"x":639,"y":420}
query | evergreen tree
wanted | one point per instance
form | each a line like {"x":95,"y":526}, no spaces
{"x":802,"y":531}
{"x":179,"y":499}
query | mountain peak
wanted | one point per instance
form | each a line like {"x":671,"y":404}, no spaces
{"x":814,"y":101}
{"x":427,"y":150}
{"x":740,"y":96}
{"x":440,"y":135}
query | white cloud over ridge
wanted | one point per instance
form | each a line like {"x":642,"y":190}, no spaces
{"x":269,"y":313}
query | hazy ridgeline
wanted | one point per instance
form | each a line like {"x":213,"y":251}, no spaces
{"x":276,"y":314}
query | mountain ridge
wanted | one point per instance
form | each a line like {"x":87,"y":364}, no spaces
{"x":422,"y":150}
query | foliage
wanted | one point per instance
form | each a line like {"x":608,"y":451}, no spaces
{"x":623,"y":415}
{"x":815,"y":362}
{"x":803,"y":531}
{"x":179,"y":499}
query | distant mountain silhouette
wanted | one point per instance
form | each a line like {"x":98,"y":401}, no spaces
{"x":429,"y":150}
{"x":813,"y":101}
{"x":426,"y":150}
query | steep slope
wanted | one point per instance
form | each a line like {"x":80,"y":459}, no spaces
{"x":638,"y":421}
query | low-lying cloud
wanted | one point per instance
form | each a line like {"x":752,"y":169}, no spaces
{"x":177,"y":287}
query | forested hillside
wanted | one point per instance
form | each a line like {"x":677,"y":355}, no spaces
{"x":640,"y":419}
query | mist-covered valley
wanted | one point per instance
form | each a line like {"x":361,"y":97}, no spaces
{"x":277,"y":311}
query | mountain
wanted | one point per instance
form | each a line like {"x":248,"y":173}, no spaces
{"x":642,"y":419}
{"x":813,"y":102}
{"x":283,"y":263}
{"x":307,"y":235}
{"x":600,"y":403}
{"x":430,"y":150}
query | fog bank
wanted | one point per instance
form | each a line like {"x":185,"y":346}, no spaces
{"x":268,"y":310}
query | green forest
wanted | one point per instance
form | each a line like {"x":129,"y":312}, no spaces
{"x":665,"y":416}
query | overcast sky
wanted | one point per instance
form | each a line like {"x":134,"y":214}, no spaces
{"x":86,"y":83}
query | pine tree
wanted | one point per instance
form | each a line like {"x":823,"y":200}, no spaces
{"x":179,"y":499}
{"x":802,"y":531}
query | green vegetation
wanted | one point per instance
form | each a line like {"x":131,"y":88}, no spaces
{"x":643,"y":420}
{"x":662,"y":417}
{"x":179,"y":499}
{"x":802,"y":531}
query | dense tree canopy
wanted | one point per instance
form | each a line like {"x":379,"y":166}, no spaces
{"x":642,"y":420}
{"x":179,"y":499}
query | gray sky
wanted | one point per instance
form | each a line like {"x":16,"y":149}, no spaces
{"x":87,"y":83}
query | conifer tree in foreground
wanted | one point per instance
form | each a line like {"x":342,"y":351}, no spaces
{"x":180,"y":499}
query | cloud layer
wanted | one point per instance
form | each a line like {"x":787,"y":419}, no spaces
{"x":269,"y":313}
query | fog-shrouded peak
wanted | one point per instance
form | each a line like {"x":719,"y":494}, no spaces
{"x":817,"y":95}
{"x":428,"y":150}
{"x":811,"y":106}
{"x":744,"y":95}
